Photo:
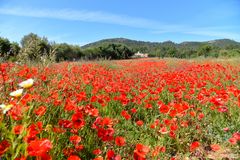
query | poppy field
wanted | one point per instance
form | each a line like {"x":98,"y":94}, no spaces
{"x":145,"y":109}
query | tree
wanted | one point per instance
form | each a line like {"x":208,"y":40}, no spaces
{"x":204,"y":50}
{"x":5,"y":46}
{"x":158,"y":53}
{"x":34,"y":47}
{"x":15,"y":48}
{"x":115,"y":51}
{"x":172,"y":51}
{"x":108,"y":51}
{"x":168,"y":51}
{"x":27,"y":39}
{"x":68,"y":52}
{"x":91,"y":53}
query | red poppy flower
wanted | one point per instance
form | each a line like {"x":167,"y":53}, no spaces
{"x":39,"y":147}
{"x":235,"y":138}
{"x":65,"y":123}
{"x":140,"y":152}
{"x":192,"y":113}
{"x":226,"y":129}
{"x":215,"y":147}
{"x":98,"y":158}
{"x":139,"y":123}
{"x":97,"y":151}
{"x":236,"y":135}
{"x":33,"y":130}
{"x":232,"y":140}
{"x":43,"y":78}
{"x":40,"y":111}
{"x":120,"y":141}
{"x":93,"y":112}
{"x":75,"y":139}
{"x":78,"y":121}
{"x":172,"y":134}
{"x":18,"y":129}
{"x":107,"y":122}
{"x":4,"y":145}
{"x":194,"y":146}
{"x":81,"y":96}
{"x":69,"y":106}
{"x":73,"y":157}
{"x":36,"y":128}
{"x":59,"y":130}
{"x":45,"y":156}
{"x":223,"y":109}
{"x":148,"y":106}
{"x":163,"y":108}
{"x":126,"y":115}
{"x":111,"y":155}
{"x":133,"y":110}
{"x":200,"y":116}
{"x":153,"y":125}
{"x":106,"y":134}
{"x":173,"y":127}
{"x":163,"y":130}
{"x":79,"y":147}
{"x":21,"y":158}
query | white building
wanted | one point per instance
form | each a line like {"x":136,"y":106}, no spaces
{"x":140,"y":55}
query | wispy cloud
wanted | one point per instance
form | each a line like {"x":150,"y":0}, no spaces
{"x":216,"y":31}
{"x":211,"y":33}
{"x":84,"y":15}
{"x":155,"y":27}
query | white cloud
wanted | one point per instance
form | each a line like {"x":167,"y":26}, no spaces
{"x":84,"y":15}
{"x":219,"y":34}
{"x":155,"y":27}
{"x":215,"y":31}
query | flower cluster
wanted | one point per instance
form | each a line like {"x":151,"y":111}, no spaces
{"x":135,"y":109}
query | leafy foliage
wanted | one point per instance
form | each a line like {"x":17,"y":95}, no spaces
{"x":8,"y":49}
{"x":109,"y":51}
{"x":36,"y":48}
{"x":216,"y":48}
{"x":68,"y":52}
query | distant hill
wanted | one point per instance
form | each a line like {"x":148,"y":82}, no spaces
{"x":222,"y":43}
{"x":119,"y":40}
{"x":133,"y":44}
{"x":151,"y":46}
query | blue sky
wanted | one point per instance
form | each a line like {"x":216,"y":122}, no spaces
{"x":84,"y":21}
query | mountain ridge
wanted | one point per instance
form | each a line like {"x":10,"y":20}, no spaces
{"x":221,"y":43}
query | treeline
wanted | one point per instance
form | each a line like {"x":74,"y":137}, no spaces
{"x":216,"y":48}
{"x":35,"y":48}
{"x":203,"y":50}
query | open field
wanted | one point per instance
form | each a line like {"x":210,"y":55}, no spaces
{"x":131,"y":109}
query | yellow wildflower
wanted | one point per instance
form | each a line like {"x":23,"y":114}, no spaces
{"x":26,"y":84}
{"x":17,"y":93}
{"x":5,"y":108}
